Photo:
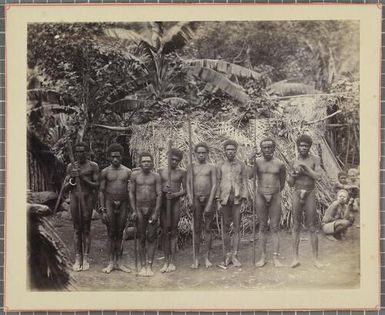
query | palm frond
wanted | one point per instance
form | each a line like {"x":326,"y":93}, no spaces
{"x":126,"y":104}
{"x":113,"y":128}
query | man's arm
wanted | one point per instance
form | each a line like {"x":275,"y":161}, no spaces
{"x":213,"y":187}
{"x":132,"y":193}
{"x":102,"y":189}
{"x":282,"y":176}
{"x":330,"y":212}
{"x":158,"y":189}
{"x":67,"y":185}
{"x":292,"y":176}
{"x":244,"y":190}
{"x":188,"y":185}
{"x":316,"y":173}
{"x":93,"y":182}
{"x":219,"y":178}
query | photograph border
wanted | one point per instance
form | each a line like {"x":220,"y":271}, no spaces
{"x":18,"y":146}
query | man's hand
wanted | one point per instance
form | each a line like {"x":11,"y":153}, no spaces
{"x":153,"y":219}
{"x":134,"y":217}
{"x":172,"y":195}
{"x":105,"y":218}
{"x":219,"y":206}
{"x":74,"y":172}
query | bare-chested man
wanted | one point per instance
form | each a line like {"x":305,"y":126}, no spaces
{"x":145,"y":199}
{"x":306,"y":171}
{"x":82,"y":203}
{"x":201,"y":199}
{"x":271,"y":174}
{"x":231,"y":194}
{"x":172,"y":196}
{"x":114,"y":202}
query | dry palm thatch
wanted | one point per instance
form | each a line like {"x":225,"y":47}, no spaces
{"x":47,"y":255}
{"x":284,"y":128}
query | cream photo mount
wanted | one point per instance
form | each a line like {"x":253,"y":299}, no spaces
{"x":17,"y":297}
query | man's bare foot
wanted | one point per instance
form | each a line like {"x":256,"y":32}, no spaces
{"x":276,"y":262}
{"x":149,"y":272}
{"x":164,"y":268}
{"x":142,"y":272}
{"x":208,"y":263}
{"x":295,"y":263}
{"x":236,"y":262}
{"x":228,"y":260}
{"x":77,"y":265}
{"x":195,"y":264}
{"x":109,"y":268}
{"x":331,"y":238}
{"x":123,"y":268}
{"x":86,"y":264}
{"x":260,"y":263}
{"x":171,"y":267}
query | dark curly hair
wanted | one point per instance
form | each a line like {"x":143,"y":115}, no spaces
{"x":304,"y":138}
{"x":115,"y":147}
{"x":230,"y":142}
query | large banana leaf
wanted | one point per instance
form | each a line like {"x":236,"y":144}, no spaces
{"x":126,"y":104}
{"x":113,"y":128}
{"x":127,"y":36}
{"x":225,"y":67}
{"x":177,"y":36}
{"x":218,"y":80}
{"x":284,"y":88}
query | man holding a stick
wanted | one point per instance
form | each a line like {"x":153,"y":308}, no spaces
{"x":201,"y":188}
{"x":113,"y":200}
{"x":271,"y":174}
{"x":145,"y":199}
{"x":173,"y":186}
{"x":231,"y":194}
{"x":306,"y":171}
{"x":82,"y":180}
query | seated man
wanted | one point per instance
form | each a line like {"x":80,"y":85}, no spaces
{"x":337,"y":218}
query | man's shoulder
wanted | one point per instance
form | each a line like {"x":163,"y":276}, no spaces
{"x":220,"y":163}
{"x":126,"y":169}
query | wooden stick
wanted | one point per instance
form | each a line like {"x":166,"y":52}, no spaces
{"x":81,"y":202}
{"x":191,"y":186}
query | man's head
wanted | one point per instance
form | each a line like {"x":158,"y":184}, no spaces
{"x":353,"y":174}
{"x":146,"y":161}
{"x":267,"y":147}
{"x":201,"y":151}
{"x":175,"y":156}
{"x":343,"y":177}
{"x":81,"y":149}
{"x":304,"y":142}
{"x":115,"y":153}
{"x":230,"y":147}
{"x":342,"y":196}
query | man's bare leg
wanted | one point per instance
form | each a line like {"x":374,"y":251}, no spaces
{"x":173,"y":242}
{"x":110,"y":249}
{"x":208,"y":238}
{"x":119,"y":263}
{"x":237,"y":235}
{"x":197,"y":235}
{"x":276,"y":261}
{"x":262,"y":261}
{"x":165,"y":245}
{"x":295,"y":235}
{"x":77,"y":266}
{"x":314,"y":247}
{"x":87,"y":245}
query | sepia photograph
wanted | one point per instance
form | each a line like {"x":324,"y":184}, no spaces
{"x":195,"y":155}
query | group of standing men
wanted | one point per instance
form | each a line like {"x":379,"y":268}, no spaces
{"x":155,"y":197}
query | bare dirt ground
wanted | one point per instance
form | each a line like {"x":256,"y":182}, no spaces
{"x":342,"y":270}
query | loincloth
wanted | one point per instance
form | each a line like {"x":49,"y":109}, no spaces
{"x":116,"y":197}
{"x":145,"y":207}
{"x":268,"y":192}
{"x":303,"y":193}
